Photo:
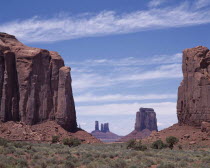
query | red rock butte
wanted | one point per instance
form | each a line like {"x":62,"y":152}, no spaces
{"x":193,"y":105}
{"x":35,"y":85}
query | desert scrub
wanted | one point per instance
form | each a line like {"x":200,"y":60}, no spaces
{"x":71,"y":142}
{"x":3,"y":142}
{"x":167,"y":165}
{"x":55,"y":139}
{"x":136,"y":145}
{"x":158,"y":145}
{"x":171,"y":141}
{"x":39,"y":155}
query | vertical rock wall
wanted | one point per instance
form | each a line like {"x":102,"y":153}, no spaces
{"x":193,"y":105}
{"x":34,"y":85}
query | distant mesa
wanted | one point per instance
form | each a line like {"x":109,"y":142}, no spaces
{"x":104,"y":133}
{"x":146,"y":122}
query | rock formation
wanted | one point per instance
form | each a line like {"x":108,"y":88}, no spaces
{"x":104,"y":134}
{"x":193,"y":105}
{"x":146,"y":119}
{"x":96,"y":126}
{"x":146,"y":122}
{"x":105,"y":127}
{"x":35,"y":85}
{"x":102,"y":127}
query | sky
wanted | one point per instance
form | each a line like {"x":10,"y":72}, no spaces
{"x":123,"y":54}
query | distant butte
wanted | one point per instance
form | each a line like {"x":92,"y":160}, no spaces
{"x":146,"y":122}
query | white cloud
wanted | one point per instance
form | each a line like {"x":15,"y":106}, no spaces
{"x":83,"y":81}
{"x":119,"y":97}
{"x":155,"y":3}
{"x":64,"y":27}
{"x":130,"y":61}
{"x":161,"y":108}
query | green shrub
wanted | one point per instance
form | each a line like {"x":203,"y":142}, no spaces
{"x":131,"y":144}
{"x":136,"y":145}
{"x":18,"y":144}
{"x":171,"y":141}
{"x":71,"y":142}
{"x":55,"y":139}
{"x":3,"y":142}
{"x":158,"y":145}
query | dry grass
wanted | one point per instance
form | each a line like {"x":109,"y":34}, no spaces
{"x":21,"y":154}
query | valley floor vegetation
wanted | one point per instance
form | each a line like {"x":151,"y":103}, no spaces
{"x":115,"y":155}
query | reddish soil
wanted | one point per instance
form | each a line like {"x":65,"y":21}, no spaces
{"x":189,"y":136}
{"x":136,"y":135}
{"x":43,"y":132}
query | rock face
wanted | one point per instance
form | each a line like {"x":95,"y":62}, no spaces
{"x":146,"y":122}
{"x":146,"y":119}
{"x":34,"y":85}
{"x":193,"y":105}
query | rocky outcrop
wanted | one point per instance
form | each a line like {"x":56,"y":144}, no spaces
{"x":146,"y":122}
{"x":34,"y":85}
{"x":42,"y":132}
{"x":146,"y":119}
{"x":193,"y":105}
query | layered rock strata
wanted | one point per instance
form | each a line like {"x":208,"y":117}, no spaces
{"x":34,"y":85}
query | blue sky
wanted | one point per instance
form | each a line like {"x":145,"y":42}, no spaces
{"x":124,"y":54}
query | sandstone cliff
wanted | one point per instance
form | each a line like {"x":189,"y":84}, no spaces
{"x":34,"y":85}
{"x":193,"y":105}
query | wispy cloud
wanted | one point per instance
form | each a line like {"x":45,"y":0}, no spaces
{"x":64,"y":27}
{"x":131,"y":61}
{"x":155,"y":3}
{"x":161,"y":108}
{"x":95,"y":80}
{"x":119,"y":97}
{"x":201,"y":4}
